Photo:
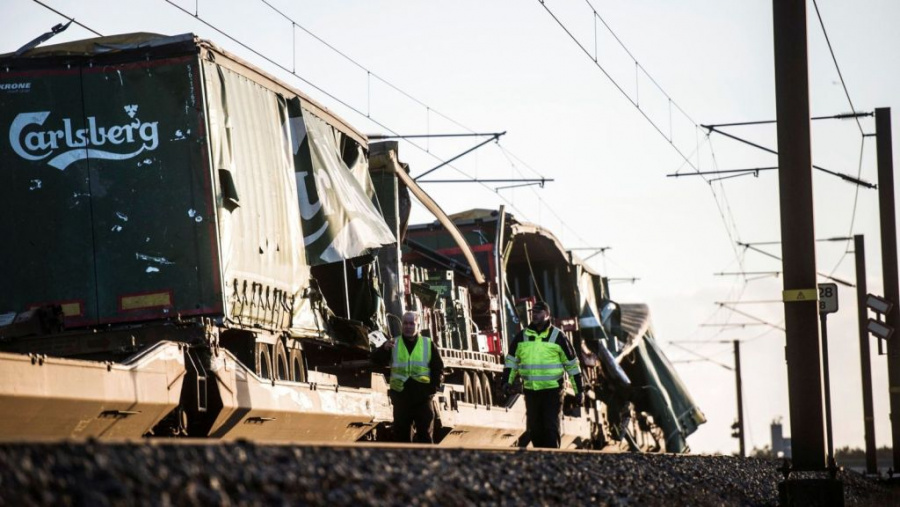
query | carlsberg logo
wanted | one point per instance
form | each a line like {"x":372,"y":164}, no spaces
{"x":68,"y":145}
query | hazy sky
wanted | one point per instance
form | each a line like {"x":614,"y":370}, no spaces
{"x":462,"y":66}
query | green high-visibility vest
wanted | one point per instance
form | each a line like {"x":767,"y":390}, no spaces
{"x":541,"y":361}
{"x":410,"y":365}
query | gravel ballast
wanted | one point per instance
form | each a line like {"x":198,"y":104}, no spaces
{"x":166,"y":473}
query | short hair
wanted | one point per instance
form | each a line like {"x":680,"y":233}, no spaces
{"x":414,"y":314}
{"x":541,"y":306}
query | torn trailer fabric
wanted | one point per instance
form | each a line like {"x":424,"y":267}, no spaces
{"x":340,"y":221}
{"x":263,"y":259}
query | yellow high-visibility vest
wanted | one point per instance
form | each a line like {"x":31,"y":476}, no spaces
{"x":541,"y":361}
{"x":414,"y":365}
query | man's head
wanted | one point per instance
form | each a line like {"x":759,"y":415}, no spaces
{"x":540,"y":313}
{"x":410,"y":326}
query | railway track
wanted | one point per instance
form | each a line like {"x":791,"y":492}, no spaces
{"x":202,"y":472}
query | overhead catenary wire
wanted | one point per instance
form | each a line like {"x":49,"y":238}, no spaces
{"x":736,"y":291}
{"x":363,"y":67}
{"x":767,"y":254}
{"x":853,"y":114}
{"x":845,"y":177}
{"x":511,"y":159}
{"x":765,"y":333}
{"x":329,"y":95}
{"x":370,"y":73}
{"x":506,"y":152}
{"x":836,"y":66}
{"x":634,"y":102}
{"x":731,"y":228}
{"x":863,"y":135}
{"x":616,"y":84}
{"x":390,"y":84}
{"x":862,"y":147}
{"x":42,"y":4}
{"x":411,"y":97}
{"x":308,"y":82}
{"x":856,"y":117}
{"x":429,"y":109}
{"x":732,"y":231}
{"x":721,"y":202}
{"x":749,"y":316}
{"x":701,"y":356}
{"x":842,"y":116}
{"x":375,"y":120}
{"x":627,"y":51}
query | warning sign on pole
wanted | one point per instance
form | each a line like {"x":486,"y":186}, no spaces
{"x":800,"y":295}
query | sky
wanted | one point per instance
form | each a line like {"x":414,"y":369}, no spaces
{"x":607,"y":117}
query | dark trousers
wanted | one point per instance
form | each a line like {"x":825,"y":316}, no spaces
{"x":410,"y":408}
{"x":543,"y":411}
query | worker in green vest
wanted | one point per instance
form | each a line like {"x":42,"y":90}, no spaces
{"x":417,"y":371}
{"x":543,"y":355}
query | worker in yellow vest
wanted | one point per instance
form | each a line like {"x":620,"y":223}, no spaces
{"x":543,"y":355}
{"x":417,"y":371}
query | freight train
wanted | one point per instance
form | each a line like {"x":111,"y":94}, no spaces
{"x":194,"y":248}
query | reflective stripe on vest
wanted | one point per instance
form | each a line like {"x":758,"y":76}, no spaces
{"x":572,"y":367}
{"x":410,"y":365}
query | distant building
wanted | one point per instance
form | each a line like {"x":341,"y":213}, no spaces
{"x":781,"y":446}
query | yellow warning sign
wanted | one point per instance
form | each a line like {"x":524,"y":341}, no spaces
{"x":799,"y":295}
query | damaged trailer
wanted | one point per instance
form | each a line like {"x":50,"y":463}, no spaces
{"x":203,"y":251}
{"x":635,"y":398}
{"x":162,"y":191}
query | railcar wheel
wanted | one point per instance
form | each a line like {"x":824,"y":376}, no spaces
{"x":263,"y":361}
{"x":298,"y":373}
{"x":281,"y":367}
{"x":479,"y":390}
{"x":486,"y":385}
{"x":468,"y":390}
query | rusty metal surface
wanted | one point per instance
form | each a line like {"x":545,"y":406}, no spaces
{"x":266,"y":410}
{"x":60,"y":398}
